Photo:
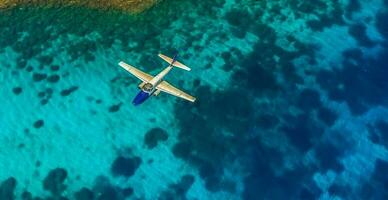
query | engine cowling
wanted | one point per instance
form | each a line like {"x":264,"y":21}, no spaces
{"x":141,"y":85}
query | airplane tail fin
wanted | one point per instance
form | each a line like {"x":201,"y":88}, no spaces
{"x":174,"y":62}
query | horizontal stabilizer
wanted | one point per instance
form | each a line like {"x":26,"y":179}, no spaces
{"x":176,"y":63}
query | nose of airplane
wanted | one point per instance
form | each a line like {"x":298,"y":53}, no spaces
{"x":136,"y":103}
{"x":140,"y":98}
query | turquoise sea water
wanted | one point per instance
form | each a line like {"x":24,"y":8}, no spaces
{"x":292,"y":101}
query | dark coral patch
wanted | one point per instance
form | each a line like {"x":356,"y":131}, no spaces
{"x":326,"y":115}
{"x":255,"y":77}
{"x":318,"y":25}
{"x":45,"y":60}
{"x":21,"y":145}
{"x":37,"y":77}
{"x":49,"y":91}
{"x":358,"y":31}
{"x":43,"y":102}
{"x":230,"y":58}
{"x":84,"y":194}
{"x":381,"y":171}
{"x":328,"y":19}
{"x":309,"y":99}
{"x":352,"y":7}
{"x":53,"y":78}
{"x":376,"y":187}
{"x":373,"y":135}
{"x":38,"y":123}
{"x":67,"y":92}
{"x":154,"y":136}
{"x":328,"y":156}
{"x":17,"y":90}
{"x":353,"y":55}
{"x":104,"y":190}
{"x":301,"y":131}
{"x":126,"y":167}
{"x":380,"y":174}
{"x":382,"y":126}
{"x":83,"y":49}
{"x":382,"y":23}
{"x":328,"y":81}
{"x":184,"y":184}
{"x":29,"y":69}
{"x":54,"y":68}
{"x":361,"y":82}
{"x":306,"y":194}
{"x":201,"y":143}
{"x":267,"y":121}
{"x":26,"y":195}
{"x":339,"y":191}
{"x":178,"y":190}
{"x":182,"y":150}
{"x":126,"y":192}
{"x":223,"y":108}
{"x":21,"y":63}
{"x":240,"y":19}
{"x":380,"y":133}
{"x":7,"y":188}
{"x":115,"y":108}
{"x":41,"y":94}
{"x":212,"y":177}
{"x":54,"y":181}
{"x":308,"y":6}
{"x":262,"y":166}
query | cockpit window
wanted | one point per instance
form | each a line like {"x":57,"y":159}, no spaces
{"x":148,"y":87}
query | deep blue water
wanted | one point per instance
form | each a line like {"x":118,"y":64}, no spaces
{"x":292,"y":101}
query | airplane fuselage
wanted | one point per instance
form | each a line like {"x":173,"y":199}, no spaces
{"x":149,"y":89}
{"x":153,"y":85}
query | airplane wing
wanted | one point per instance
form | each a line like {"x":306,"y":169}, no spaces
{"x":168,"y":88}
{"x":136,"y":72}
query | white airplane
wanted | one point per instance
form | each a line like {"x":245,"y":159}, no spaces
{"x":152,"y":85}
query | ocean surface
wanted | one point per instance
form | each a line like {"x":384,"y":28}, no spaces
{"x":292,"y":101}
